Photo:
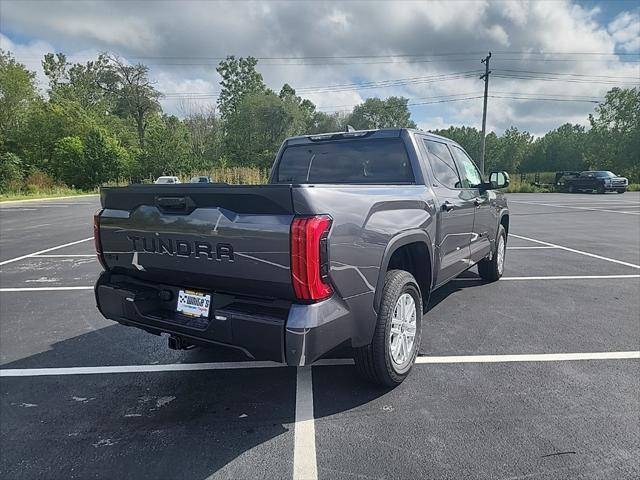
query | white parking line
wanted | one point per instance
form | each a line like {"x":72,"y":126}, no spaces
{"x":551,"y":277}
{"x":458,"y":279}
{"x":598,"y":204}
{"x":577,"y":208}
{"x":50,"y":199}
{"x":86,"y":255}
{"x":46,"y":250}
{"x":560,"y":201}
{"x":305,"y":465}
{"x":531,"y":248}
{"x":172,"y":367}
{"x":306,"y":377}
{"x":536,"y":357}
{"x":593,"y":255}
{"x":43,"y":289}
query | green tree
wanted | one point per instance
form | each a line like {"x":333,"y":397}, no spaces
{"x":256,"y":129}
{"x":205,"y":137}
{"x":48,"y":122}
{"x":103,"y":158}
{"x":376,"y":113}
{"x":239,"y":79}
{"x":322,"y":122}
{"x":78,"y":82}
{"x":468,"y":138}
{"x":11,"y":171}
{"x":510,"y":150}
{"x":561,"y":149}
{"x":302,"y":111}
{"x":614,"y":138}
{"x":167,"y":151}
{"x":135,"y":94}
{"x":90,"y":162}
{"x":17,"y":93}
{"x":67,"y":162}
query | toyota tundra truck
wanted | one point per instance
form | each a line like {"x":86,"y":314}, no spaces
{"x":342,"y":248}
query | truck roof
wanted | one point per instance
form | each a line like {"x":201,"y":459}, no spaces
{"x":379,"y":132}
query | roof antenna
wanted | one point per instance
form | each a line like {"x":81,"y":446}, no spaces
{"x":349,"y":128}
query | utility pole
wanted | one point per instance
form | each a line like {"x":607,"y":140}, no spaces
{"x":484,"y":77}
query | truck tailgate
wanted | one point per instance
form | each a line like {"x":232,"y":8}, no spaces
{"x":224,"y":238}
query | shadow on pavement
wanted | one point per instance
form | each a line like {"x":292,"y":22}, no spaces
{"x":204,"y":424}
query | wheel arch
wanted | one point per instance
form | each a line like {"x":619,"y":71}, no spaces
{"x":403,"y":253}
{"x":504,"y":221}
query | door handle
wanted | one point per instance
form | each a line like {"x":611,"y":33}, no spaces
{"x":447,"y":206}
{"x":477,"y":202}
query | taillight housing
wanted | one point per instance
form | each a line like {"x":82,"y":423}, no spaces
{"x":96,"y":239}
{"x":309,"y":257}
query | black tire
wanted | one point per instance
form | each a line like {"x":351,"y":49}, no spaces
{"x":601,"y":190}
{"x":489,"y":268}
{"x":374,"y":361}
{"x":622,"y":190}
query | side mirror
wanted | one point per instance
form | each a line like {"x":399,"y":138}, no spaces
{"x":498,"y":180}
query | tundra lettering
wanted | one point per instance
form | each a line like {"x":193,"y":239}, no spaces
{"x":183,"y":248}
{"x":341,"y":249}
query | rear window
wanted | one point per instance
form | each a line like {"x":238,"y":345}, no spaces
{"x":382,"y":160}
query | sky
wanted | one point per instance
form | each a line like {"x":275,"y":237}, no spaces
{"x":552,"y":60}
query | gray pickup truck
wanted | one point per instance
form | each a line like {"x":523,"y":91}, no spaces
{"x":343,"y":247}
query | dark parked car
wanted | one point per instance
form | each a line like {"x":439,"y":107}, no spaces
{"x":343,"y":246}
{"x":200,"y":179}
{"x":595,"y":181}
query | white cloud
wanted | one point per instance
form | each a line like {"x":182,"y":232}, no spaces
{"x":625,"y":30}
{"x":183,"y":41}
{"x":115,"y":32}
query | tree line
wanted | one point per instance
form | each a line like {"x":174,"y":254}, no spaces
{"x":102,"y":121}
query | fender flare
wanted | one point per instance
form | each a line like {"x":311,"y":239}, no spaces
{"x":400,"y":240}
{"x":503,"y":212}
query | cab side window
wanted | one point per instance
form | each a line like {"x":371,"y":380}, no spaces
{"x":442,"y":163}
{"x":471,"y":177}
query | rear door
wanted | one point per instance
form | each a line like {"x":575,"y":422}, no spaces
{"x":455,"y":220}
{"x":484,"y":222}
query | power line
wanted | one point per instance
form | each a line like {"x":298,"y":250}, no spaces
{"x":566,"y":74}
{"x":390,"y":83}
{"x":435,"y":97}
{"x":566,"y":80}
{"x":424,"y":80}
{"x":545,"y":99}
{"x":514,"y":96}
{"x":363,"y":85}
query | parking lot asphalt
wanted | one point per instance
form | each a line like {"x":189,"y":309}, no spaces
{"x":493,"y":396}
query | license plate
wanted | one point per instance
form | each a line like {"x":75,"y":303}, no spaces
{"x":194,"y":304}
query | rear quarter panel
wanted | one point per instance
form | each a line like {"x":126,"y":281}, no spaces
{"x":365,"y":220}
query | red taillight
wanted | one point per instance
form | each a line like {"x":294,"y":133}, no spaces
{"x":96,"y":239}
{"x":309,"y":262}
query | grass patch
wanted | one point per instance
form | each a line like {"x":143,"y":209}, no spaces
{"x":516,"y":186}
{"x":35,"y":194}
{"x":633,"y":187}
{"x":233,"y":175}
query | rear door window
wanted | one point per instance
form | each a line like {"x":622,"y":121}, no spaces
{"x":363,"y":160}
{"x":442,"y":164}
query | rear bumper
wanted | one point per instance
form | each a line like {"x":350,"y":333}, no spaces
{"x":263,"y":329}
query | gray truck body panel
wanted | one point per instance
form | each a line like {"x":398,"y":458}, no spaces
{"x":234,"y":242}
